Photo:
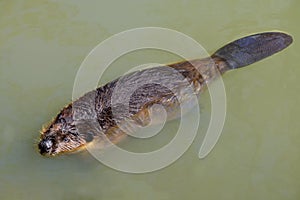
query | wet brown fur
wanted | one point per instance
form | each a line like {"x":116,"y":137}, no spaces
{"x":59,"y":127}
{"x":102,"y":113}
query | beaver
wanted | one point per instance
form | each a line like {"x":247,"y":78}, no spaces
{"x":102,"y":113}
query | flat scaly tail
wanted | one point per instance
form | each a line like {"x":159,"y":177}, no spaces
{"x":250,"y":49}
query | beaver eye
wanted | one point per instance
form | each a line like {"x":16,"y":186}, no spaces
{"x":61,"y":120}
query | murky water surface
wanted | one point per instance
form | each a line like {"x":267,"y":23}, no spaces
{"x":42,"y":44}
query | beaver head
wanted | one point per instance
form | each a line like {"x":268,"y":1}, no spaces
{"x":62,"y":135}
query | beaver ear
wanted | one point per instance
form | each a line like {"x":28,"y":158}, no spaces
{"x":89,"y":137}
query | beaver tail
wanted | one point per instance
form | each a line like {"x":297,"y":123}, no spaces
{"x":250,"y":49}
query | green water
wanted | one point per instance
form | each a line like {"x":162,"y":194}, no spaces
{"x":42,"y":44}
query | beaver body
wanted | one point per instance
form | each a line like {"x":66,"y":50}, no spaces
{"x":123,"y":105}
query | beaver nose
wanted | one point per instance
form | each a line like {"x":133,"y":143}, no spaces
{"x":45,"y":146}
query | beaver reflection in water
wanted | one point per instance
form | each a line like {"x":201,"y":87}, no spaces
{"x":92,"y":117}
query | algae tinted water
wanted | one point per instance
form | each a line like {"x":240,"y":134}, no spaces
{"x":42,"y":44}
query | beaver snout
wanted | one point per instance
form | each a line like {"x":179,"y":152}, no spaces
{"x":45,"y":146}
